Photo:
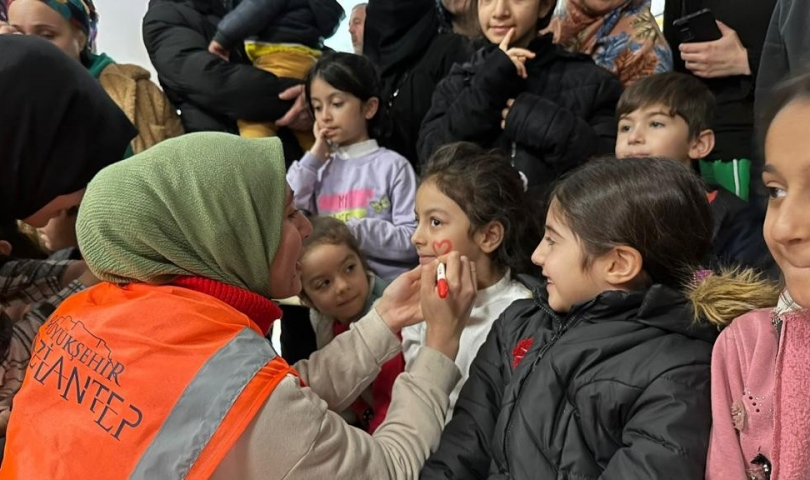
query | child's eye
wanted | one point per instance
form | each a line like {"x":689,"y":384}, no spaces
{"x":776,"y":193}
{"x":549,"y":240}
{"x":322,"y":284}
{"x":350,"y":268}
{"x":337,"y":104}
{"x":656,"y":124}
{"x":316,"y":108}
{"x":294,"y":214}
{"x":624,"y":128}
{"x":435,"y":222}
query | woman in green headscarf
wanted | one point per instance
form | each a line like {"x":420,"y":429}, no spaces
{"x":163,"y":371}
{"x":72,"y":26}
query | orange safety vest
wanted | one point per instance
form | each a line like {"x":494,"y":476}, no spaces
{"x":140,"y":382}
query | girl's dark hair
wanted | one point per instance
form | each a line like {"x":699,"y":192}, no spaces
{"x":796,"y":88}
{"x":353,"y":74}
{"x":656,"y":206}
{"x":487,"y":189}
{"x":23,"y":244}
{"x":331,"y":231}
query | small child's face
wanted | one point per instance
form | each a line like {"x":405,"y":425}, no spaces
{"x":497,"y":17}
{"x":787,"y":178}
{"x":341,"y":116}
{"x":652,"y":132}
{"x":442,"y":226}
{"x":335,"y":281}
{"x":560,"y":255}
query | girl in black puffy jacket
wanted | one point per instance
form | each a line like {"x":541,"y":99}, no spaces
{"x":605,"y":372}
{"x":549,"y":109}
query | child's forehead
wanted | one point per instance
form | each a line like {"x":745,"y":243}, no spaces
{"x":653,"y":108}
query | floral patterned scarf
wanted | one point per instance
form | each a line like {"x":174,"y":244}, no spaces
{"x":625,"y":40}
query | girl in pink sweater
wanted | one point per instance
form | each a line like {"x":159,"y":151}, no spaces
{"x":760,"y":375}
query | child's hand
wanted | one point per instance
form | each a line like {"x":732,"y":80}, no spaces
{"x":447,"y":317}
{"x":505,"y":112}
{"x":399,"y":306}
{"x":217,"y":49}
{"x":517,"y":55}
{"x":6,"y":29}
{"x":321,"y":148}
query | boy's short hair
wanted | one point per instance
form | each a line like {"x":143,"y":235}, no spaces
{"x":684,"y":95}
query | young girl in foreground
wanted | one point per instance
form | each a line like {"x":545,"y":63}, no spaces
{"x":340,"y":288}
{"x":605,"y":372}
{"x":760,"y":379}
{"x":347,"y":175}
{"x":473,"y":202}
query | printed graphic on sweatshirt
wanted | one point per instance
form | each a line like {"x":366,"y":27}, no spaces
{"x":71,"y":359}
{"x":353,"y":204}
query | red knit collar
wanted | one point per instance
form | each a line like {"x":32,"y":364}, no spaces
{"x":262,"y":311}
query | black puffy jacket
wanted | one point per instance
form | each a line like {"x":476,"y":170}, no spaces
{"x":402,"y":39}
{"x":210,"y":92}
{"x":616,"y":389}
{"x":563,"y":114}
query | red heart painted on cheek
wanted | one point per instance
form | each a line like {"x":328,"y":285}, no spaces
{"x":442,"y":248}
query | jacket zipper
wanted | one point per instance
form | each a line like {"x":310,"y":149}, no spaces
{"x":557,"y":334}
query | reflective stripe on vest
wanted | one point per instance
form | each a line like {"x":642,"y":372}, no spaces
{"x":200,"y":410}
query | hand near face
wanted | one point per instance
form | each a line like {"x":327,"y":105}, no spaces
{"x":447,"y":317}
{"x":6,"y":29}
{"x":321,"y":147}
{"x":721,"y":58}
{"x":505,"y":112}
{"x":517,"y":55}
{"x":298,"y":117}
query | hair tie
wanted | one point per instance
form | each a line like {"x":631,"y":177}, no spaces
{"x":699,"y":275}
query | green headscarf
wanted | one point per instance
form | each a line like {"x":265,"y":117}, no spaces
{"x":204,"y":204}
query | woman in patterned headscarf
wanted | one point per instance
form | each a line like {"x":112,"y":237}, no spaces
{"x":72,"y":26}
{"x":621,"y":36}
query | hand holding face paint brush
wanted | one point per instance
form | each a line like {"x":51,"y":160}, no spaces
{"x":447,"y":308}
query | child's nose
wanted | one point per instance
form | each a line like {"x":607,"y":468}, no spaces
{"x":539,"y":255}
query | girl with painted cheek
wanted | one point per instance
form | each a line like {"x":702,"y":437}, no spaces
{"x":347,"y":175}
{"x":605,"y":371}
{"x":340,"y":288}
{"x":472,"y":202}
{"x":759,"y":368}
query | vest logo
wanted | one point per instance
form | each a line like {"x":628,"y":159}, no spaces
{"x":520,"y":351}
{"x":75,"y":362}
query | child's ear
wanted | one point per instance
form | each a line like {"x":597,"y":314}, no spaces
{"x":489,"y":237}
{"x":702,"y":146}
{"x":5,"y":248}
{"x":370,"y":107}
{"x":622,"y":265}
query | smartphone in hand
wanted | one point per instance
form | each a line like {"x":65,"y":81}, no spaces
{"x":698,"y":27}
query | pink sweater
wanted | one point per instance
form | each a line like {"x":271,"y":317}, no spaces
{"x":760,"y":398}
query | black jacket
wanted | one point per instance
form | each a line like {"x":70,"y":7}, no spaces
{"x":734,"y":119}
{"x":738,"y":239}
{"x":210,"y":93}
{"x":306,"y":22}
{"x":616,"y":389}
{"x":402,"y":38}
{"x":563,"y":114}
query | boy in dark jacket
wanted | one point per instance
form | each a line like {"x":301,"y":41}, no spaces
{"x":548,"y":109}
{"x":669,"y":115}
{"x":284,"y":37}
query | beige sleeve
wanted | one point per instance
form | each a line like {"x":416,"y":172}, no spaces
{"x":296,"y":437}
{"x":339,"y":372}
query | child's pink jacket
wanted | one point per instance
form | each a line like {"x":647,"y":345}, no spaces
{"x":761,"y":398}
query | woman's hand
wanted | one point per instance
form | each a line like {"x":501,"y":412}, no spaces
{"x":505,"y":112}
{"x":298,"y":117}
{"x":725,"y":57}
{"x":399,"y":306}
{"x":517,"y":55}
{"x":447,"y":317}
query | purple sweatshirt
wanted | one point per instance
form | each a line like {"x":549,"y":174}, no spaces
{"x":373,"y":190}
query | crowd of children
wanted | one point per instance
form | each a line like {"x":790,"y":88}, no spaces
{"x":631,"y":319}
